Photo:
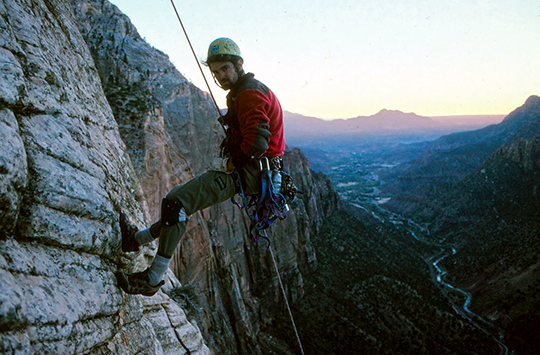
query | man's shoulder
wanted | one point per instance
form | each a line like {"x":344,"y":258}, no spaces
{"x":250,"y":83}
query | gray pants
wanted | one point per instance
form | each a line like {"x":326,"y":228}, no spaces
{"x":201,"y":192}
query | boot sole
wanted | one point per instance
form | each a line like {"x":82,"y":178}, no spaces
{"x":123,"y":282}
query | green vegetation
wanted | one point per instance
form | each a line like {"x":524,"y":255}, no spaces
{"x":372,"y":294}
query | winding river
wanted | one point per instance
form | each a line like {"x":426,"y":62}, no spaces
{"x":437,"y":275}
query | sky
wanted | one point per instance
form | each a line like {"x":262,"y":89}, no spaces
{"x":342,"y":59}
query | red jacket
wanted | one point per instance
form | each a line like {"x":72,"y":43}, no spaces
{"x":255,"y":122}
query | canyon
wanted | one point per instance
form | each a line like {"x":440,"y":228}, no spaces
{"x":95,"y":121}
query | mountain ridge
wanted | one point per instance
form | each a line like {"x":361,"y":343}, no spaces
{"x":383,"y":122}
{"x":463,"y":152}
{"x":489,"y":214}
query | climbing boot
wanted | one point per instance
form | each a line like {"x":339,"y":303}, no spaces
{"x":137,"y":283}
{"x":128,"y":230}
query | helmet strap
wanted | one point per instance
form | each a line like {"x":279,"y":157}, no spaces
{"x":217,"y":82}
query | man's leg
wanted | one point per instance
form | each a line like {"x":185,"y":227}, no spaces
{"x":133,"y":239}
{"x":149,"y":234}
{"x":206,"y":190}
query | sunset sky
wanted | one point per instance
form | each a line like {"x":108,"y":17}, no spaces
{"x":342,"y":59}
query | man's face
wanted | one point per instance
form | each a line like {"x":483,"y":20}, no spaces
{"x":225,"y":73}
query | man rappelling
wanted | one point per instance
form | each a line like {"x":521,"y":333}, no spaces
{"x":254,"y":131}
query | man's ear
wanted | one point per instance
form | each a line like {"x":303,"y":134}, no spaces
{"x":239,"y":64}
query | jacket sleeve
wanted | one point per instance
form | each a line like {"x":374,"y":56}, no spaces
{"x":251,"y":108}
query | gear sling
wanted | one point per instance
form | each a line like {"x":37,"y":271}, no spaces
{"x":271,"y":204}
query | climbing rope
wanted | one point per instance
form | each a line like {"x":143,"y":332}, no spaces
{"x":286,"y":301}
{"x":196,"y":59}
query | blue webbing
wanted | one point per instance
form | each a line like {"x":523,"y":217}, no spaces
{"x":269,"y":207}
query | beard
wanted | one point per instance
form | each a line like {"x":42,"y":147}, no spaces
{"x":225,"y":84}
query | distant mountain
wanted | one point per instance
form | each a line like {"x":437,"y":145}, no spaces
{"x":523,"y":122}
{"x":470,"y":121}
{"x":383,"y":122}
{"x":453,"y":156}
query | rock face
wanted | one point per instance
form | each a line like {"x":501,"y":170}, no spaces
{"x":169,"y":125}
{"x":525,"y":152}
{"x":64,"y":176}
{"x":494,"y":220}
{"x":93,"y":121}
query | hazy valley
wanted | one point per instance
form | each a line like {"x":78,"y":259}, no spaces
{"x":463,"y":207}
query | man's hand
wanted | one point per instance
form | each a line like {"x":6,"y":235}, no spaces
{"x":230,"y":165}
{"x":223,"y":165}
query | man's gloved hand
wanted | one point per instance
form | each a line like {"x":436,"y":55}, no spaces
{"x":221,"y":165}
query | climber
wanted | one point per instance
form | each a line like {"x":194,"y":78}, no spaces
{"x":254,"y":129}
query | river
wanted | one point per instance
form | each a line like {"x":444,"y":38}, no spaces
{"x":438,"y":275}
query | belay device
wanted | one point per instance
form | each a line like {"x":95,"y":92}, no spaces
{"x":277,"y":191}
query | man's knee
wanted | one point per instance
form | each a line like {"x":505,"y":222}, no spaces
{"x":172,"y":212}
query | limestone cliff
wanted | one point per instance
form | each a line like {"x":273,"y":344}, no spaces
{"x":64,"y":175}
{"x":94,"y":120}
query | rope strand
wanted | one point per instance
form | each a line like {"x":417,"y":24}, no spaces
{"x":286,"y":301}
{"x":196,"y":59}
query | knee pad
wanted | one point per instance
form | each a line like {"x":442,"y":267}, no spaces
{"x":171,"y":212}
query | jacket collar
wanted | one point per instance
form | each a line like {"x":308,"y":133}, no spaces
{"x":239,"y":84}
